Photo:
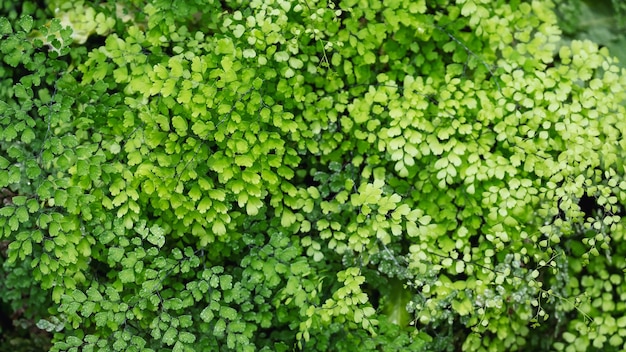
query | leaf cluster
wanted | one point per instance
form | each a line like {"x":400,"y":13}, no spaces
{"x":405,"y":175}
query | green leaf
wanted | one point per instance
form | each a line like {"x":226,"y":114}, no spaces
{"x":73,"y":341}
{"x":219,"y":328}
{"x":5,"y":26}
{"x":156,"y":236}
{"x":169,"y":87}
{"x":281,"y":56}
{"x":180,"y":125}
{"x":249,"y":53}
{"x":463,"y":307}
{"x":127,"y":275}
{"x":79,"y":296}
{"x":226,"y":282}
{"x":4,"y":163}
{"x":54,"y":229}
{"x":87,"y":308}
{"x":245,"y":160}
{"x":25,"y":22}
{"x":170,"y":336}
{"x":218,"y":163}
{"x":218,"y":228}
{"x":28,"y":135}
{"x":119,"y":345}
{"x":115,"y":254}
{"x":225,"y":46}
{"x":186,"y":337}
{"x":446,"y":244}
{"x":26,"y":249}
{"x":7,"y":211}
{"x":94,"y":294}
{"x":33,"y":171}
{"x":207,"y":315}
{"x":4,"y":178}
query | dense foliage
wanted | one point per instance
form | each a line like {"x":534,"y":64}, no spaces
{"x":603,"y":22}
{"x":269,"y":175}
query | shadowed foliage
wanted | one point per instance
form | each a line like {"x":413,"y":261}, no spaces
{"x":203,"y":175}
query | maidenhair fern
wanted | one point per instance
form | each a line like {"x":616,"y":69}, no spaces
{"x":214,"y":175}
